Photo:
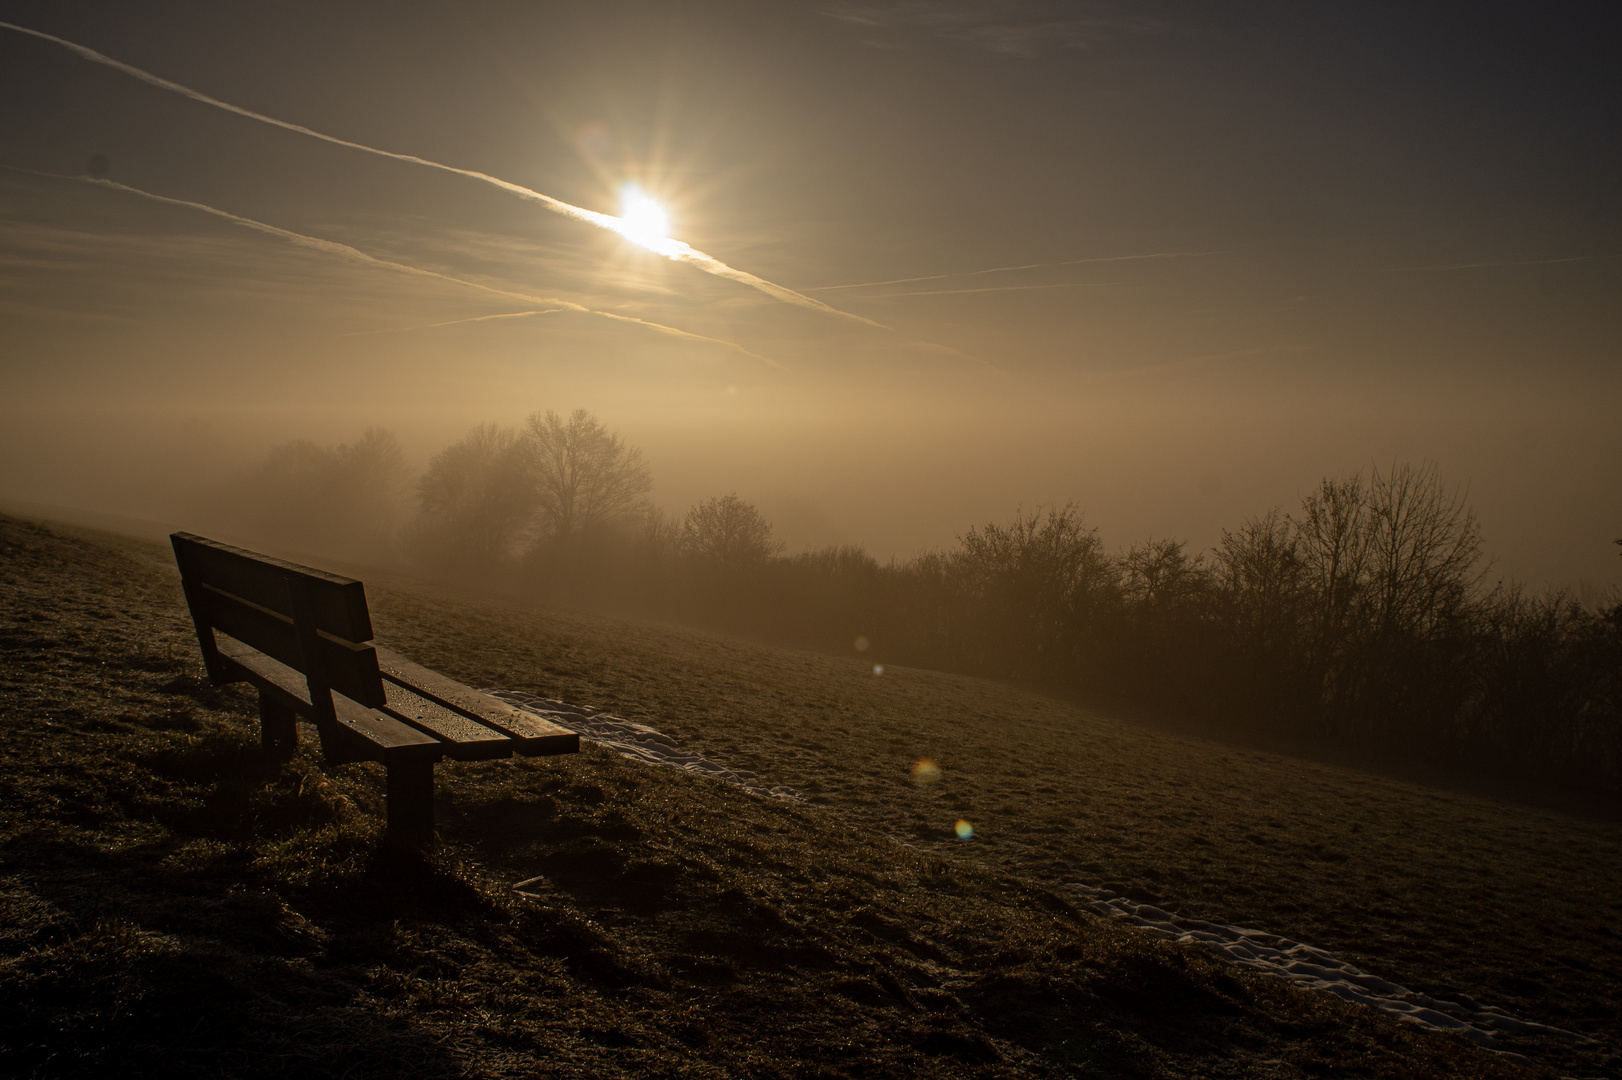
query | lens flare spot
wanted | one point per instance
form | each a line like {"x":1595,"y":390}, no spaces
{"x":595,"y":139}
{"x":642,"y":220}
{"x":860,"y":644}
{"x":925,"y":771}
{"x":964,"y":830}
{"x":878,"y":669}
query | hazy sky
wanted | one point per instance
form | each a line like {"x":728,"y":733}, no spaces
{"x":1174,"y":262}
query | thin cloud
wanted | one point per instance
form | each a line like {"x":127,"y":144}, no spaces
{"x":1010,"y":269}
{"x":1487,"y":265}
{"x":1200,"y":361}
{"x":344,"y":251}
{"x":1001,"y":288}
{"x":959,"y":354}
{"x":675,"y":250}
{"x":1010,"y":28}
{"x":40,"y":311}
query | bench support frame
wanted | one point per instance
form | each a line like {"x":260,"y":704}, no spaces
{"x":410,"y":802}
{"x":278,"y":729}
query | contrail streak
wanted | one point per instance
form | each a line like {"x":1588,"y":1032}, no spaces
{"x":456,"y":322}
{"x":675,"y":250}
{"x":1008,"y":269}
{"x":332,"y":247}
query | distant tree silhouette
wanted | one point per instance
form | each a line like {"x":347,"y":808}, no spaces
{"x":661,"y":535}
{"x":1424,"y":545}
{"x":1264,"y":602}
{"x":1158,"y":576}
{"x":1260,"y":572}
{"x":477,"y":500}
{"x":1359,"y":619}
{"x":345,"y":500}
{"x":583,"y":475}
{"x":1040,"y":556}
{"x":375,"y":476}
{"x":1029,"y":583}
{"x":728,"y":532}
{"x":1332,"y":537}
{"x":1391,"y":567}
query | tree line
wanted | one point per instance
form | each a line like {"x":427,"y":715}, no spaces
{"x":556,"y":507}
{"x":1362,"y":617}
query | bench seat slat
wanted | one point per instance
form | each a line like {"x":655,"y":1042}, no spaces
{"x":530,"y":733}
{"x":369,"y":735}
{"x":385,"y":737}
{"x":285,"y":684}
{"x":464,"y":739}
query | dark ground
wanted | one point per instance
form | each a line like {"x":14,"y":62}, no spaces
{"x":168,"y":908}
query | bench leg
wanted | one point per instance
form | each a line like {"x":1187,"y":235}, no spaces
{"x":411,"y":802}
{"x":278,"y":729}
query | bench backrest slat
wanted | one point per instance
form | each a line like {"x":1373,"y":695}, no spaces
{"x":259,"y":601}
{"x":339,"y":602}
{"x":350,"y":669}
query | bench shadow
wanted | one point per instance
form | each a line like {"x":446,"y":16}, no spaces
{"x":122,"y":963}
{"x":581,"y":851}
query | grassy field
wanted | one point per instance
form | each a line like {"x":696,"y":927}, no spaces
{"x":170,"y":908}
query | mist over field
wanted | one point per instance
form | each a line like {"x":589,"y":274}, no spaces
{"x":998,"y":318}
{"x":900,"y":479}
{"x":1147,"y":264}
{"x":1001,"y":338}
{"x":1078,"y":537}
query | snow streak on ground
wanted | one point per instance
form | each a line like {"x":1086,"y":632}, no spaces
{"x":1318,"y":970}
{"x":635,"y":740}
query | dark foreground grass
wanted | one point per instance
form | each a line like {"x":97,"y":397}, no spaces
{"x":167,"y":907}
{"x":1456,"y":895}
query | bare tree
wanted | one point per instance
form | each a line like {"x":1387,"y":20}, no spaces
{"x":344,"y":500}
{"x":728,"y":532}
{"x":1159,"y":575}
{"x":1392,"y":556}
{"x":582,"y":474}
{"x":1045,"y":557}
{"x":661,"y":535}
{"x":1424,"y":544}
{"x":1333,"y":537}
{"x":476,"y":498}
{"x":1029,"y":584}
{"x":1259,"y":568}
{"x":375,"y":474}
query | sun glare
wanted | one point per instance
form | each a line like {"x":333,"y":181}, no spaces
{"x":642,"y":220}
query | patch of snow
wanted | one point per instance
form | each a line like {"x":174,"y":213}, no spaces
{"x":1316,"y":969}
{"x":635,"y":740}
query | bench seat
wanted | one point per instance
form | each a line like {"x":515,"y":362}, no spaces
{"x":302,"y":637}
{"x":425,"y":698}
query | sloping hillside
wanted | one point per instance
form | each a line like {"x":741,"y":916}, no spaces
{"x":170,"y":909}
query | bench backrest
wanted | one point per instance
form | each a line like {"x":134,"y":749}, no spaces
{"x":312,"y":621}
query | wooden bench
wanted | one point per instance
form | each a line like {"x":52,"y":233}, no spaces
{"x":304,"y":639}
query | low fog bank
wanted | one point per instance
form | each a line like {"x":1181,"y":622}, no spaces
{"x":899,"y":481}
{"x":1362,"y":610}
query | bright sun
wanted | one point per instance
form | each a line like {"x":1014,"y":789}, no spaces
{"x":642,"y":220}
